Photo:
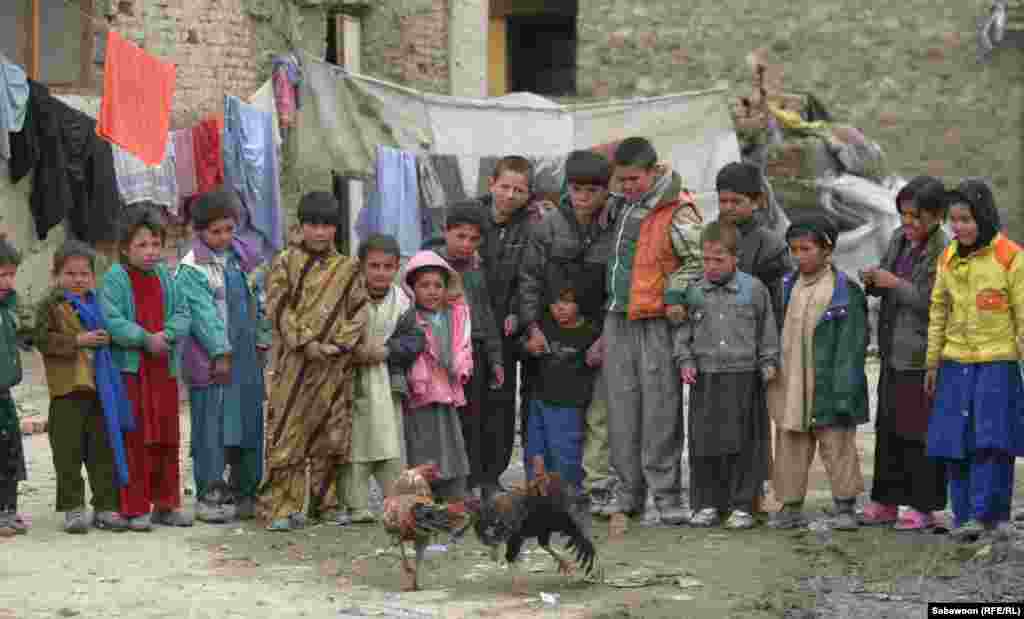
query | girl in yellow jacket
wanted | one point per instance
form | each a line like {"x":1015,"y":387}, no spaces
{"x":976,"y":322}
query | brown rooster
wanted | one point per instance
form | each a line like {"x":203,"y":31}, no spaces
{"x":411,"y":515}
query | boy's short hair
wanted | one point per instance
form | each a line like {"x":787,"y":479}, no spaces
{"x":718,"y":232}
{"x":467,"y":212}
{"x":213,"y":206}
{"x":9,"y":255}
{"x":73,"y":249}
{"x":585,"y":167}
{"x":636,"y":153}
{"x":517,"y":164}
{"x":136,"y":218}
{"x":567,"y":294}
{"x":384,"y":243}
{"x":740,"y":177}
{"x":930,"y":196}
{"x":319,"y":207}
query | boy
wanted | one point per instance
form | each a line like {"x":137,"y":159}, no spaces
{"x":318,"y":303}
{"x":572,"y":245}
{"x":12,"y":455}
{"x":392,"y":341}
{"x":724,"y":350}
{"x":760,"y":252}
{"x":563,"y":384}
{"x":464,"y":225}
{"x":654,"y":261}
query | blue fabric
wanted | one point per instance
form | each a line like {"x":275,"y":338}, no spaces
{"x":978,"y":406}
{"x":13,"y":97}
{"x":251,"y":168}
{"x":556,"y":434}
{"x":981,"y":487}
{"x":398,"y":211}
{"x":230,"y":415}
{"x":117,"y":409}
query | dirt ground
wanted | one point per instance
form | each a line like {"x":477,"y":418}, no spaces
{"x":326,"y":571}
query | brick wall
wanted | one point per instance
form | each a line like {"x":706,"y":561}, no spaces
{"x":407,"y":42}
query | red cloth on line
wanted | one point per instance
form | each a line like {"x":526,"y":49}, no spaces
{"x":138,"y":90}
{"x":209,"y":155}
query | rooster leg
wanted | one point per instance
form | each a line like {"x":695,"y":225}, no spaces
{"x":409,"y":581}
{"x":565,"y":566}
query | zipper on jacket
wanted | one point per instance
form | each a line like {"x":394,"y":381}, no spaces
{"x":618,"y":246}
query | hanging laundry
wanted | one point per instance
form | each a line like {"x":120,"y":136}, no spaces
{"x":208,"y":155}
{"x":286,"y":76}
{"x":14,"y":92}
{"x":89,"y":164}
{"x":184,"y":162}
{"x":138,"y":90}
{"x":251,"y":167}
{"x":399,"y":212}
{"x":263,"y":100}
{"x":139,"y":182}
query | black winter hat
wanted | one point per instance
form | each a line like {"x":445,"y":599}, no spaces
{"x":818,"y":225}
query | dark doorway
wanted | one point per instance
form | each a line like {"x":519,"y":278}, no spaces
{"x":542,"y":54}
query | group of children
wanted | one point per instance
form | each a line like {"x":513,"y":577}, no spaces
{"x":611,"y":302}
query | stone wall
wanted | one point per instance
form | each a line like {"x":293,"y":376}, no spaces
{"x":906,"y":72}
{"x":406,"y":41}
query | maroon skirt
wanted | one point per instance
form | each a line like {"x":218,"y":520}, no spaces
{"x":903,"y":406}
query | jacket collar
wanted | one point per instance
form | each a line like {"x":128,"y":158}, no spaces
{"x":838,"y":306}
{"x":246,"y":256}
{"x":9,"y":301}
{"x":732,"y":285}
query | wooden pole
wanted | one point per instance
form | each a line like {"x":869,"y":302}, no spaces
{"x":33,"y":52}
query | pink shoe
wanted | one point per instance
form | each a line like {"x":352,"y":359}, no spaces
{"x":914,"y":520}
{"x":879,"y":513}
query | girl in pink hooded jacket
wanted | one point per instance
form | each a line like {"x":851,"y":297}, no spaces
{"x":433,"y":432}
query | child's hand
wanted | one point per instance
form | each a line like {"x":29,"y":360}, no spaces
{"x":688,"y":376}
{"x":156,"y":343}
{"x":768,"y":373}
{"x":931,"y":379}
{"x":537,"y":344}
{"x":498,"y":372}
{"x":222,"y":370}
{"x":676,"y":314}
{"x":511,"y":324}
{"x":314,"y":351}
{"x":92,"y":339}
{"x":595,"y":354}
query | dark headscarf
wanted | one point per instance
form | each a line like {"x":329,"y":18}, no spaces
{"x":976,"y":194}
{"x":817,"y":225}
{"x":743,"y":178}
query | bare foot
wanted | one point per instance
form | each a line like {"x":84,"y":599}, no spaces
{"x":566,"y":567}
{"x":409,"y":582}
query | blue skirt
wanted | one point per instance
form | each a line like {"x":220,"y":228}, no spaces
{"x":978,"y":406}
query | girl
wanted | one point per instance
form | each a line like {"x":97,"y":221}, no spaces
{"x":12,"y":454}
{"x":88,"y":407}
{"x":433,"y":432}
{"x":974,"y":342}
{"x":821,"y":393}
{"x":145,"y":317}
{"x":903,"y":473}
{"x":220,"y":360}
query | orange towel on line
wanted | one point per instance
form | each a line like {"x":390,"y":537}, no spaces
{"x":138,"y":90}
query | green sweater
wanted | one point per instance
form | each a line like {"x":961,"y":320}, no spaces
{"x":127,"y":335}
{"x":10,"y":356}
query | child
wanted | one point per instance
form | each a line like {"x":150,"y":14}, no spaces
{"x":562,"y":388}
{"x":433,"y":429}
{"x":88,"y":409}
{"x":221,"y":360}
{"x":903,"y":472}
{"x":145,"y":317}
{"x":464,"y":226}
{"x":725,"y":350}
{"x":820,"y":395}
{"x":12,"y":455}
{"x":974,"y":345}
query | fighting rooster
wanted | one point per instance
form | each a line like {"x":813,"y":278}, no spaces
{"x":411,"y":515}
{"x":540,"y":508}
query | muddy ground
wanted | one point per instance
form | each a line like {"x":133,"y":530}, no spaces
{"x":326,"y":571}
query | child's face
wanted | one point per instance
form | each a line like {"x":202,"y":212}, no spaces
{"x":635,"y":181}
{"x":379,"y":269}
{"x":810,"y":256}
{"x":463,"y":240}
{"x":218,"y":234}
{"x":736,"y":208}
{"x":917,"y":223}
{"x":7,"y":275}
{"x":719,"y":262}
{"x":587,"y":199}
{"x":965,"y":228}
{"x":511,"y":190}
{"x":76,"y":275}
{"x":430,"y":290}
{"x":143,"y":252}
{"x":565,"y":311}
{"x":318,"y":237}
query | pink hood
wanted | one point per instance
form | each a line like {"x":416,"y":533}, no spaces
{"x":424,"y":258}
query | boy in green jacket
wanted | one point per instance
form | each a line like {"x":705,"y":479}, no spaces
{"x":12,"y":455}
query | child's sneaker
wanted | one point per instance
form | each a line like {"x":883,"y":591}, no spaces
{"x":172,"y":518}
{"x":141,"y":524}
{"x":110,"y":521}
{"x":76,"y":522}
{"x":879,"y":513}
{"x":789,"y":517}
{"x":914,"y":520}
{"x":707,"y":517}
{"x":20,"y":524}
{"x":7,"y":524}
{"x":739,"y":520}
{"x":968,"y":532}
